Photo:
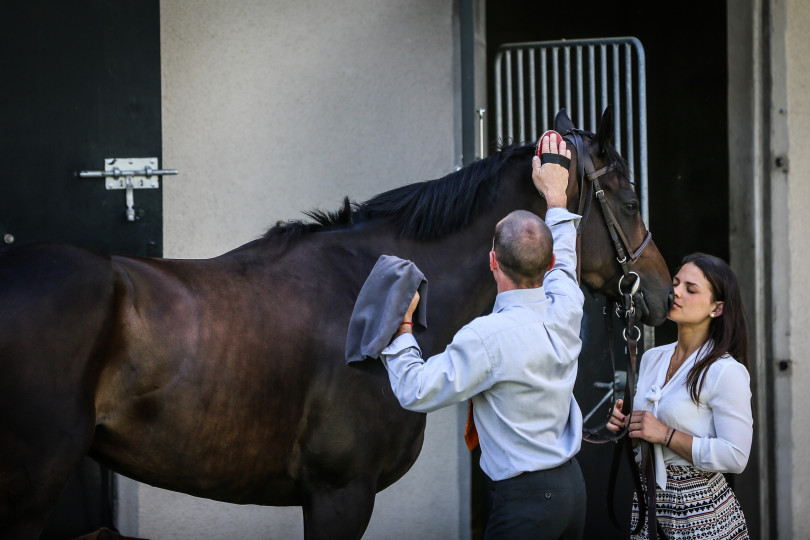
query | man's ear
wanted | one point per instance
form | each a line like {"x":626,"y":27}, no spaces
{"x":493,"y":262}
{"x":553,"y":260}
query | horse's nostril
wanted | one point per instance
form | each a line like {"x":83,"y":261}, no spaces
{"x":670,"y":300}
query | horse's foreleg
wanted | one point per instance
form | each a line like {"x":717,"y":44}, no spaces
{"x":339,"y":513}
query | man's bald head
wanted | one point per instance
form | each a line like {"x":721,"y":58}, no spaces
{"x":523,"y":248}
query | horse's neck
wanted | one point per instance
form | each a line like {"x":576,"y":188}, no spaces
{"x":460,"y":283}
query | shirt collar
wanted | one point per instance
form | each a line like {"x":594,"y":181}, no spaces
{"x":518,"y":296}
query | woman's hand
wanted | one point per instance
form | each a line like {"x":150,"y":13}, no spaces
{"x":617,"y":420}
{"x":645,"y":426}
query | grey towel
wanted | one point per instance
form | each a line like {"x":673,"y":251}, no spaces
{"x":381,"y":305}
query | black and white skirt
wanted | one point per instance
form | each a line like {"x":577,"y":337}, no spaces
{"x":696,"y":504}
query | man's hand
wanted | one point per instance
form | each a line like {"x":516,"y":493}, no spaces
{"x":406,"y":327}
{"x":550,"y":179}
{"x":412,"y":308}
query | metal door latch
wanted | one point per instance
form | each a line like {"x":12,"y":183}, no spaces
{"x":130,"y":174}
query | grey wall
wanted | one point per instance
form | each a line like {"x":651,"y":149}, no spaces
{"x":769,"y":125}
{"x":790,"y":122}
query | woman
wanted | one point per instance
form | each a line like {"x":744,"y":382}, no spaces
{"x":693,"y":403}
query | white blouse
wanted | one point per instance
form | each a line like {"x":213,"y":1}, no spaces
{"x":721,"y":424}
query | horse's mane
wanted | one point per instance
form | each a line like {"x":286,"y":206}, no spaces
{"x":422,"y":210}
{"x":430,"y":209}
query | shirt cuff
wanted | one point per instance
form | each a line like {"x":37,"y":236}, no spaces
{"x":402,"y":342}
{"x":558,"y":214}
{"x":695,"y":451}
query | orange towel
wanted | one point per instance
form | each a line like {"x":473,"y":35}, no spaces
{"x":470,"y":433}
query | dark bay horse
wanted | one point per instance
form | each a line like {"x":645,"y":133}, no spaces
{"x":225,"y":378}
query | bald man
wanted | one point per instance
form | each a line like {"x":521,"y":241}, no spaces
{"x":518,"y":366}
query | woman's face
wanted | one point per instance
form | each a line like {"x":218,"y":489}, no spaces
{"x":694,"y":301}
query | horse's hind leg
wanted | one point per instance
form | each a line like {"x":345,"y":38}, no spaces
{"x":339,"y":513}
{"x":55,"y":304}
{"x":36,"y":460}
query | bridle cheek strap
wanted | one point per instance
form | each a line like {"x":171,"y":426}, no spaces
{"x":625,"y":255}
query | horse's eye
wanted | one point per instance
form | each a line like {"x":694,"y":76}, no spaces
{"x":631,"y":207}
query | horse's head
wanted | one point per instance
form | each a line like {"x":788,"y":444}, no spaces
{"x":624,"y":256}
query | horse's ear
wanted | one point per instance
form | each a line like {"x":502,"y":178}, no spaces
{"x":605,"y":133}
{"x":563,"y":124}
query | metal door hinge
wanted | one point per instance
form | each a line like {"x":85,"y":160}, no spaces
{"x":130,"y":174}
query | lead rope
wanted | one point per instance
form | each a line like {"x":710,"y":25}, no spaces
{"x":645,"y":494}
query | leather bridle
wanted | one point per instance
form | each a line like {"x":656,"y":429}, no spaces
{"x":591,"y":188}
{"x":629,"y":282}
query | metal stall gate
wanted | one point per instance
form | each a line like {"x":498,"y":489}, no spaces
{"x":532,"y":82}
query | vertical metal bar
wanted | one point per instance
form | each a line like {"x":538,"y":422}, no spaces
{"x":498,"y":98}
{"x":481,"y":112}
{"x":509,"y":123}
{"x":544,"y":88}
{"x":532,"y":96}
{"x":642,"y":131}
{"x":555,"y":77}
{"x":592,"y":87}
{"x":603,"y":65}
{"x":567,"y":80}
{"x":617,"y":102}
{"x":628,"y":108}
{"x":641,"y":81}
{"x":580,"y":108}
{"x":521,"y":101}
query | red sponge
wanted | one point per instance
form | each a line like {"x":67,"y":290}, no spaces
{"x":538,"y":151}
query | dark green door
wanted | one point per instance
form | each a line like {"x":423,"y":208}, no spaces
{"x":80,"y":83}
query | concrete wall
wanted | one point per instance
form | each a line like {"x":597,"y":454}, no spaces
{"x":769,"y":126}
{"x":797,"y":75}
{"x":274,"y":108}
{"x":271,"y":108}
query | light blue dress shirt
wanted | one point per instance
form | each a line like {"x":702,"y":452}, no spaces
{"x":518,"y":364}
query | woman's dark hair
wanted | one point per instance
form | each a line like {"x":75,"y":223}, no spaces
{"x":727,"y":333}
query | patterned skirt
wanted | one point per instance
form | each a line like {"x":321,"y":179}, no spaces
{"x":696,"y":504}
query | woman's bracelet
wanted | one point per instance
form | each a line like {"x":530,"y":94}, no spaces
{"x":406,"y":322}
{"x":669,"y":437}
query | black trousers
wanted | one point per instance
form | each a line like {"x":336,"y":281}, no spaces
{"x":538,"y":505}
